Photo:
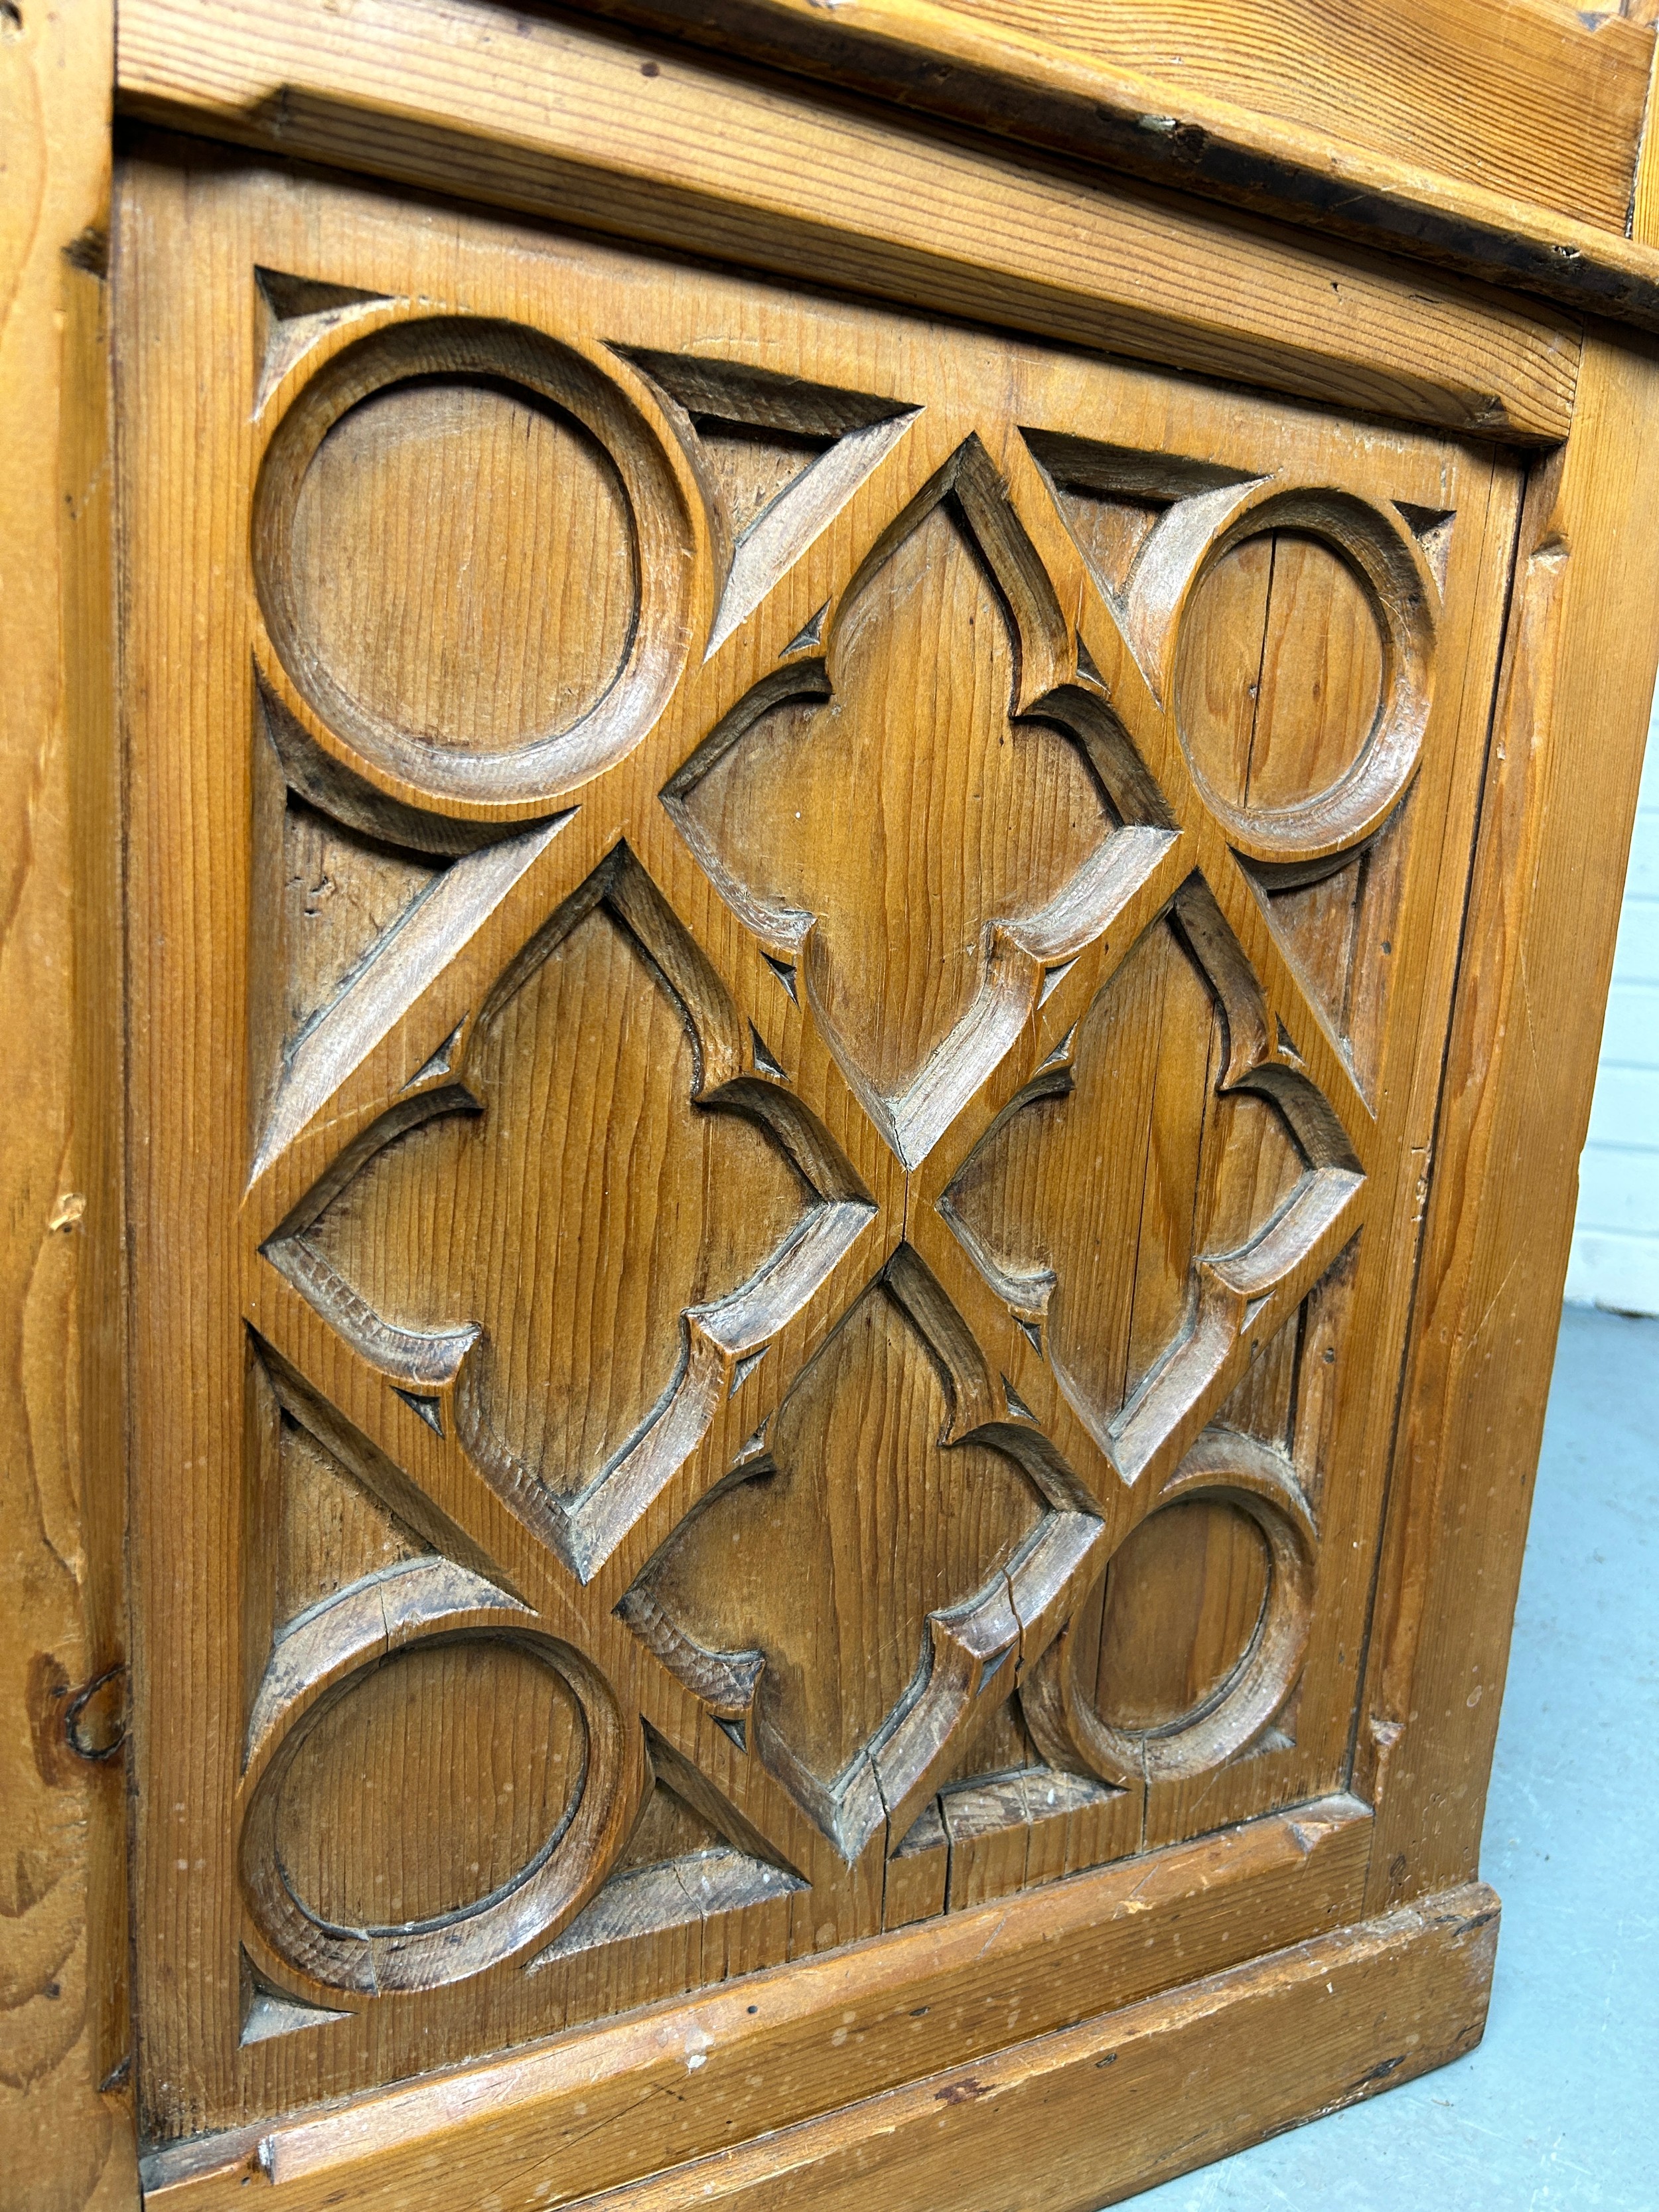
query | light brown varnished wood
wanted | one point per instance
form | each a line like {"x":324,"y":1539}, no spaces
{"x":1555,"y":825}
{"x":592,"y":127}
{"x":1461,"y":134}
{"x":1555,"y":828}
{"x":783,"y":2047}
{"x":1412,"y":1986}
{"x":730,"y":1218}
{"x":799,"y":976}
{"x":66,"y":2137}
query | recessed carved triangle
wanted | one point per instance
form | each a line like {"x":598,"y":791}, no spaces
{"x":765,"y":1059}
{"x":295,"y":312}
{"x":268,"y":2012}
{"x":323,"y":1526}
{"x":370,"y":899}
{"x":427,"y":1410}
{"x":332,"y":1510}
{"x":1432,"y":528}
{"x":781,"y":458}
{"x":1114,"y":498}
{"x":809,"y":636}
{"x":1335,"y":925}
{"x":692,"y":1857}
{"x":753,"y":466}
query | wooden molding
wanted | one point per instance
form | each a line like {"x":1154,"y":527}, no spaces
{"x":1562,"y":776}
{"x":1454,"y":145}
{"x":1194,"y":2072}
{"x":1559,"y":800}
{"x":597,"y":128}
{"x":919,"y":1998}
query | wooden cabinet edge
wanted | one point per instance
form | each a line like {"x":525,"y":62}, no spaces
{"x":1563,"y":771}
{"x":1042,"y":93}
{"x":837,"y":2028}
{"x":65,"y":2118}
{"x":1194,"y":2073}
{"x":719,"y":163}
{"x":1193,"y":2076}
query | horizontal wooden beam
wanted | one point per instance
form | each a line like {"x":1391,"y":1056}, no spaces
{"x":594,"y":127}
{"x":1122,"y":2103}
{"x":730,"y":2063}
{"x":1119,"y":2101}
{"x":1499,"y":142}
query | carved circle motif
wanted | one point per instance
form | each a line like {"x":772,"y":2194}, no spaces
{"x":371,"y":1898}
{"x":428,"y":1783}
{"x":1183,"y":1602}
{"x":1240,"y":1473}
{"x":473,"y":558}
{"x":1377,"y":591}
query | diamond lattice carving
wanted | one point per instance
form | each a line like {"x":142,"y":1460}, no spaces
{"x":847,"y":1155}
{"x":482,"y":1237}
{"x":936,"y":1531}
{"x":991,"y":809}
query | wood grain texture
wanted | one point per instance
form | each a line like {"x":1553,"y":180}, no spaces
{"x":799,"y":968}
{"x":1380,"y":2001}
{"x":1412,"y":138}
{"x":66,"y":2138}
{"x":1512,"y":98}
{"x":756,"y":1270}
{"x":593,"y":128}
{"x":783,"y":2047}
{"x":1554,"y":831}
{"x":1413,"y":1986}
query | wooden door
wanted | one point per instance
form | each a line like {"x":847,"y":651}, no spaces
{"x":789,"y":971}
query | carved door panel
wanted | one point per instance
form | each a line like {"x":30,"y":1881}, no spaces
{"x":788,"y":971}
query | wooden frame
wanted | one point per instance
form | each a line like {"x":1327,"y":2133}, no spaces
{"x":1379,"y":1946}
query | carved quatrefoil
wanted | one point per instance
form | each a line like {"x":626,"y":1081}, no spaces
{"x":924,"y":819}
{"x":572,"y":1247}
{"x":861,"y":1579}
{"x":1136,"y":1202}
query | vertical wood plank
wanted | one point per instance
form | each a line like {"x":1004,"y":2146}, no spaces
{"x":1560,"y":794}
{"x":65,"y":2138}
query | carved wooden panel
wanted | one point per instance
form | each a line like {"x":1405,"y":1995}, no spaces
{"x":788,"y":967}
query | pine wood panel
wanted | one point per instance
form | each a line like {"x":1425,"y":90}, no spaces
{"x":739,"y":1132}
{"x":602,"y":130}
{"x":1455,"y":135}
{"x":782,"y":2046}
{"x":1413,"y":1985}
{"x":1554,"y":833}
{"x":66,"y":2134}
{"x":1529,"y":99}
{"x":1534,"y":87}
{"x":671,"y":1481}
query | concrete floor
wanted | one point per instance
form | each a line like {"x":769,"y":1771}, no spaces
{"x":1559,"y":2106}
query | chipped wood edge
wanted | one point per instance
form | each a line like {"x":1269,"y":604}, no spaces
{"x":933,"y":59}
{"x":1196,"y":2072}
{"x":66,"y":2132}
{"x":582,"y":123}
